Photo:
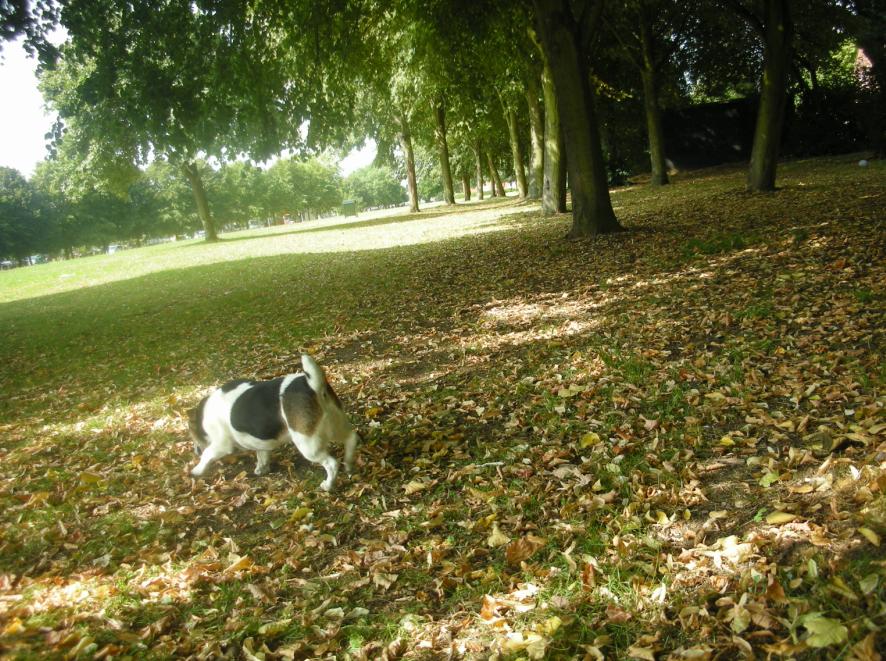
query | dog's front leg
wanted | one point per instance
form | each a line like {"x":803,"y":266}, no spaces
{"x":263,"y":461}
{"x":210,"y":454}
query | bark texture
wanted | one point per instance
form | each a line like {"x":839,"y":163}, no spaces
{"x":466,"y":187}
{"x":773,"y":96}
{"x":536,"y":139}
{"x":405,"y":139}
{"x":478,"y":154}
{"x":654,"y":130}
{"x":553,"y":198}
{"x":516,"y":153}
{"x":498,"y":187}
{"x":561,"y":41}
{"x":192,"y":172}
{"x":443,"y":150}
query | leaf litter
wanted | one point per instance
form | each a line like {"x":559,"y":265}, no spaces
{"x":646,"y":446}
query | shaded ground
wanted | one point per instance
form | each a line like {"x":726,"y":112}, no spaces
{"x":663,"y":444}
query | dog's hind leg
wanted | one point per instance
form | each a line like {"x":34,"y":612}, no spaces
{"x":263,"y":459}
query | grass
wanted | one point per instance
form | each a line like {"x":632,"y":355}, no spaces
{"x":476,"y":350}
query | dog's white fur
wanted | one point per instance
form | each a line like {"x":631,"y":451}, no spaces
{"x":316,"y":411}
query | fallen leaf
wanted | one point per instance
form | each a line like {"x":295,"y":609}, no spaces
{"x":497,"y":538}
{"x":870,"y":535}
{"x":824,"y":631}
{"x":523,"y":548}
{"x":778,"y":518}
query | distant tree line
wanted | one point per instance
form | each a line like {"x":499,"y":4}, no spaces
{"x":62,"y":212}
{"x":456,"y":94}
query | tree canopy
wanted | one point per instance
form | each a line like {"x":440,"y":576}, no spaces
{"x":448,"y":90}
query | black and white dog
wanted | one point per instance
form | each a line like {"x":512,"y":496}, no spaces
{"x":263,"y":415}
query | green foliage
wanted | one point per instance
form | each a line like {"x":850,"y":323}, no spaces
{"x":25,"y":217}
{"x":374,"y":186}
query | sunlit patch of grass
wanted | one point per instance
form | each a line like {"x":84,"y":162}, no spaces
{"x":623,"y":338}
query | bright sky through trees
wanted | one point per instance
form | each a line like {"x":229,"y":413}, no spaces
{"x":24,"y":122}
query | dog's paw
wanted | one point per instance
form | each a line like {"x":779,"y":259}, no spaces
{"x":262,"y":470}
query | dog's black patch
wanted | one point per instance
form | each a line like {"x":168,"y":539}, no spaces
{"x":257,"y":411}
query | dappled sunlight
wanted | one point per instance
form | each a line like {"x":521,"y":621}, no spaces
{"x":664,"y":443}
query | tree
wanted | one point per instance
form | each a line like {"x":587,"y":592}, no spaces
{"x":775,"y":27}
{"x":176,"y":80}
{"x":649,"y":33}
{"x":564,"y":37}
{"x":374,"y":186}
{"x":24,"y":219}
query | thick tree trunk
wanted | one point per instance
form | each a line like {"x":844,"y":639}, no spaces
{"x":773,"y":97}
{"x":553,"y":196}
{"x":592,"y":211}
{"x":536,"y":138}
{"x":443,"y":150}
{"x":478,"y":153}
{"x":654,"y":130}
{"x":869,"y":32}
{"x":406,"y":145}
{"x":466,"y":187}
{"x":497,"y":185}
{"x":517,"y":153}
{"x":192,"y":172}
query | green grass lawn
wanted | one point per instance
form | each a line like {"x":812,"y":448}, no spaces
{"x":667,"y":443}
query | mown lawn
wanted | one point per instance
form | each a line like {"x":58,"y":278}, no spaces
{"x":668,"y":443}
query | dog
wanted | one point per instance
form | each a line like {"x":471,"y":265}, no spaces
{"x":263,"y":415}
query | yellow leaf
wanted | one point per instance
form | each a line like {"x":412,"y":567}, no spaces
{"x":870,"y":535}
{"x":726,"y":441}
{"x":274,"y":628}
{"x":645,"y":653}
{"x":299,"y":514}
{"x":777,"y":518}
{"x":589,"y":439}
{"x":551,"y":625}
{"x":239,"y":565}
{"x":497,"y":538}
{"x":14,"y":627}
{"x":414,"y":487}
{"x":824,"y":631}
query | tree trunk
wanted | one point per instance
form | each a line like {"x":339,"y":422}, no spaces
{"x":517,"y":153}
{"x":773,"y":97}
{"x":406,"y":145}
{"x":497,"y":184}
{"x":466,"y":187}
{"x":536,"y":138}
{"x":592,"y":211}
{"x":443,"y":150}
{"x":869,"y":32}
{"x":192,"y":172}
{"x":553,"y":198}
{"x":478,"y":153}
{"x":654,"y":130}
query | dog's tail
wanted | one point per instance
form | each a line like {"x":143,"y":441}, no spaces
{"x":316,"y":377}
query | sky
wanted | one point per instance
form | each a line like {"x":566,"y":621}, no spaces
{"x":24,"y":122}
